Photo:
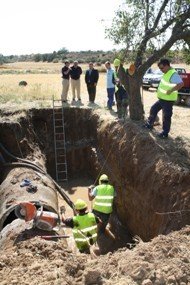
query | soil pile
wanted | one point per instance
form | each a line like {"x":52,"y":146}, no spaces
{"x":164,"y":260}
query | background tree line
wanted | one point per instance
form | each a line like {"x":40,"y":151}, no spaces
{"x":99,"y":56}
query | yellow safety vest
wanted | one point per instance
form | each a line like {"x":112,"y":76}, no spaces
{"x":103,"y":201}
{"x":85,"y":230}
{"x":166,"y":85}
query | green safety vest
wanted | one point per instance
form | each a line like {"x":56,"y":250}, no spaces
{"x":166,"y":85}
{"x":103,"y":201}
{"x":85,"y":230}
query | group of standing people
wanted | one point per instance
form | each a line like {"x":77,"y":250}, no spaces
{"x":73,"y":74}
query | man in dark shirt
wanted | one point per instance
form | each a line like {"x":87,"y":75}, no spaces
{"x":91,"y":79}
{"x":66,"y":76}
{"x":75,"y":74}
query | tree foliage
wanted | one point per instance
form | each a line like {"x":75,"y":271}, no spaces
{"x":155,"y":25}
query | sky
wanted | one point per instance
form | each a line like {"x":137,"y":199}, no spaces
{"x":40,"y":26}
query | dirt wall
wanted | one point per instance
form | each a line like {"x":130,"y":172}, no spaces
{"x":149,"y":177}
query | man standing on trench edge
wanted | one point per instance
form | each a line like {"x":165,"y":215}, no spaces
{"x":75,"y":73}
{"x":91,"y":79}
{"x":103,"y":196}
{"x":167,"y":94}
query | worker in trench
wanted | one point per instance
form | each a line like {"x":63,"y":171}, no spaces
{"x":103,"y":196}
{"x":84,"y":226}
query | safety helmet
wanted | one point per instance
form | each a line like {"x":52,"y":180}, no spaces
{"x":116,"y":62}
{"x":103,"y":178}
{"x":80,"y":204}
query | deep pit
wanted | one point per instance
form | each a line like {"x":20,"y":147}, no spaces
{"x":150,"y":180}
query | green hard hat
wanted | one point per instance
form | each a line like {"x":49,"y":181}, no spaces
{"x":80,"y":204}
{"x":116,"y":62}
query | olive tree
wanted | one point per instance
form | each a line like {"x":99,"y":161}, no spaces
{"x":141,"y":25}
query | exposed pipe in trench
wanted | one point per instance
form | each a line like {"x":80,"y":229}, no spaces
{"x":29,"y":164}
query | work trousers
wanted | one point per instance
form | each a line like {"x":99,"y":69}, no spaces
{"x":167,"y":111}
{"x":122,"y":105}
{"x":104,"y":219}
{"x":91,"y":92}
{"x":75,"y":86}
{"x":65,"y":89}
{"x":110,"y":92}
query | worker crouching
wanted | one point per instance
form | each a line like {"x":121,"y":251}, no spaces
{"x":84,"y":226}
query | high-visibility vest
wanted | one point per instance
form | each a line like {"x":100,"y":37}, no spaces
{"x":103,"y":201}
{"x":85,"y":230}
{"x":166,"y":85}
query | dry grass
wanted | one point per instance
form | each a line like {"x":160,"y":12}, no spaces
{"x":41,"y":88}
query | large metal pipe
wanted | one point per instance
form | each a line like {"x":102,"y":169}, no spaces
{"x":11,"y":193}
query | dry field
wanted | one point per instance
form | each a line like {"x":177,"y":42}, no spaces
{"x":44,"y":82}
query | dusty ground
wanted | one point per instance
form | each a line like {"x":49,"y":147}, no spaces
{"x":165,"y":260}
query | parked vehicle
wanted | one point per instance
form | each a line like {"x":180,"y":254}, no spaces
{"x":152,"y":79}
{"x":180,"y":70}
{"x":184,"y":92}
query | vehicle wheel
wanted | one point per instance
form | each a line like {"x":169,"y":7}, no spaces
{"x":187,"y":101}
{"x":178,"y":101}
{"x":145,"y":87}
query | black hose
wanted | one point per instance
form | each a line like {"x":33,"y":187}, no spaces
{"x":18,"y":158}
{"x":58,"y":188}
{"x":29,"y":164}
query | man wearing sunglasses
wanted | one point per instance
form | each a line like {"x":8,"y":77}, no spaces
{"x":167,"y":94}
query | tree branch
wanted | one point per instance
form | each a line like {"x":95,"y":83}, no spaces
{"x":185,"y":35}
{"x":162,"y":8}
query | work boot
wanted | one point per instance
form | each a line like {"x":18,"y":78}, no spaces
{"x":162,"y":135}
{"x":147,"y":126}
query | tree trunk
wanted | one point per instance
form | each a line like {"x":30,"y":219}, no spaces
{"x":132,"y":85}
{"x":135,"y":102}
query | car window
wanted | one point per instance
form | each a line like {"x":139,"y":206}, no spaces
{"x":180,"y":70}
{"x":158,"y":71}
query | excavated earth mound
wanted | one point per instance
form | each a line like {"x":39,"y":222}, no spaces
{"x":152,"y":180}
{"x":164,"y":260}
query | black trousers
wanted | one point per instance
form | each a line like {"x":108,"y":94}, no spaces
{"x":104,"y":218}
{"x":167,"y":109}
{"x":91,"y":92}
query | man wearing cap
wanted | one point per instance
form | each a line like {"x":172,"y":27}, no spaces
{"x":75,"y":74}
{"x":103,"y":196}
{"x":84,"y":226}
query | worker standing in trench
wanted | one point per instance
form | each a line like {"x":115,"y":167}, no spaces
{"x":103,"y":196}
{"x":84,"y":226}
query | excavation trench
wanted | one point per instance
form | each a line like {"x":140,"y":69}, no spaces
{"x":149,"y":180}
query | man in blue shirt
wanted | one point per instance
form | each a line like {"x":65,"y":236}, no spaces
{"x":170,"y":83}
{"x":110,"y":83}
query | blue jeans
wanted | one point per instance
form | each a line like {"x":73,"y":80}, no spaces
{"x":110,"y":92}
{"x":167,"y":110}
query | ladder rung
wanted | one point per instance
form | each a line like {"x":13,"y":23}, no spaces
{"x":59,"y":126}
{"x":58,"y":120}
{"x":59,"y":133}
{"x":60,"y":163}
{"x":60,"y":148}
{"x":63,"y":171}
{"x":59,"y":140}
